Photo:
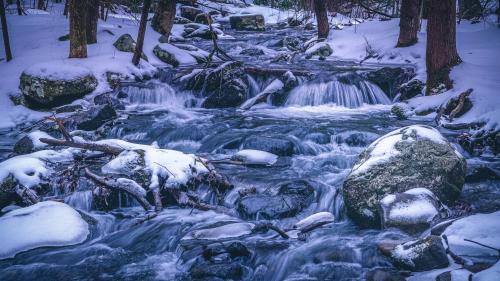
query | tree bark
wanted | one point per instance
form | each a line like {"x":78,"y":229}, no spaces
{"x":320,"y":9}
{"x":19,"y":8}
{"x":142,"y":32}
{"x":441,"y":52}
{"x":409,"y":23}
{"x":77,"y":28}
{"x":40,"y":5}
{"x":164,"y":16}
{"x":425,"y":9}
{"x":66,"y":7}
{"x":92,"y":19}
{"x":5,"y":32}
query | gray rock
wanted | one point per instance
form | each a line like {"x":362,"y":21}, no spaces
{"x":181,"y":20}
{"x":189,"y":12}
{"x":109,"y":99}
{"x":202,"y":18}
{"x":47,"y":91}
{"x":253,"y":52}
{"x":165,"y":56}
{"x":247,"y":22}
{"x":24,"y":145}
{"x":410,"y":157}
{"x":390,"y":79}
{"x":91,"y":119}
{"x":126,"y":43}
{"x":321,"y":49}
{"x":421,"y":255}
{"x":292,"y":43}
{"x":411,"y":89}
{"x":280,"y":147}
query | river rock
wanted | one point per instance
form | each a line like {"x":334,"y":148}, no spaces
{"x":410,"y":157}
{"x":280,"y":147}
{"x":293,"y":43}
{"x":290,"y":199}
{"x":47,"y":85}
{"x":411,"y":89}
{"x":421,"y":255}
{"x":253,"y":51}
{"x":313,"y":221}
{"x":412,"y":211}
{"x":201,"y":31}
{"x":224,"y":232}
{"x":255,"y":157}
{"x":172,"y":55}
{"x":109,"y":99}
{"x":390,"y":79}
{"x":126,"y":43}
{"x":189,"y":12}
{"x":30,"y":142}
{"x":202,"y":18}
{"x":320,"y":49}
{"x":249,"y":22}
{"x":224,"y":271}
{"x":182,"y":20}
{"x":91,"y":119}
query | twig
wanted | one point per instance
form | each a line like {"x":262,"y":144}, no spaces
{"x":480,"y":244}
{"x":113,"y":150}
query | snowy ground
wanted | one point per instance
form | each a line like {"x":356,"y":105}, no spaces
{"x":34,"y":40}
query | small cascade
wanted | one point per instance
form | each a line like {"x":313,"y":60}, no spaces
{"x":80,"y":200}
{"x":338,"y":93}
{"x":158,"y":94}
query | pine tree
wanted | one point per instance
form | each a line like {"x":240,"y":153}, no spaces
{"x":320,"y":8}
{"x":77,"y":28}
{"x":441,"y":52}
{"x":164,"y":16}
{"x":409,"y":23}
{"x":142,"y":32}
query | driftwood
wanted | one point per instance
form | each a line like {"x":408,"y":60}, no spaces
{"x":129,"y":186}
{"x":108,"y":149}
{"x":460,"y":105}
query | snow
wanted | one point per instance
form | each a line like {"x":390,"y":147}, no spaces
{"x":182,"y":56}
{"x":492,"y":273}
{"x":57,"y":71}
{"x":255,"y":157}
{"x":35,"y":137}
{"x":30,"y":169}
{"x":382,"y":149}
{"x":232,"y":230}
{"x":314,"y":221}
{"x":314,"y":48}
{"x":275,"y":86}
{"x":44,"y":224}
{"x":414,"y":211}
{"x":482,"y":228}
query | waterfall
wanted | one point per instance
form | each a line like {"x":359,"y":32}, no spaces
{"x":338,"y":93}
{"x":158,"y":94}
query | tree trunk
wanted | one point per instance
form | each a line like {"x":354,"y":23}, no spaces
{"x":320,"y":9}
{"x":102,"y":10}
{"x":142,"y":32}
{"x":40,"y":5}
{"x":425,"y":9}
{"x":470,"y":9}
{"x":77,"y":28}
{"x":409,"y":23}
{"x":92,"y":19}
{"x":441,"y":53}
{"x":66,"y":7}
{"x":163,"y":20}
{"x":5,"y":32}
{"x":19,"y":8}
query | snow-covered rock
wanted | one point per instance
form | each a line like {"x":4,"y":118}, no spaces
{"x":255,"y":157}
{"x":31,"y":142}
{"x":50,"y":84}
{"x":173,"y":55}
{"x":44,"y":224}
{"x":421,"y":255}
{"x":126,"y":43}
{"x":411,"y":157}
{"x":412,"y":211}
{"x":314,"y":220}
{"x":321,"y":49}
{"x":227,"y":231}
{"x":250,"y":22}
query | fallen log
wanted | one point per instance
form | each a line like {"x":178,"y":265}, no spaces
{"x":127,"y":185}
{"x":108,"y":149}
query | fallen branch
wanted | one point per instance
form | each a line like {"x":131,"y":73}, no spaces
{"x":108,"y":149}
{"x":483,"y":245}
{"x":460,"y":105}
{"x":126,"y":185}
{"x":270,"y":226}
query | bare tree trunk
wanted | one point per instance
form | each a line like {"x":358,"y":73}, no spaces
{"x":409,"y":23}
{"x":40,"y":5}
{"x":441,"y":53}
{"x":320,"y":9}
{"x":19,"y":8}
{"x":102,"y":10}
{"x":425,"y":9}
{"x":92,"y":19}
{"x":142,"y":32}
{"x":77,"y":28}
{"x":66,"y":7}
{"x":163,"y":20}
{"x":5,"y":32}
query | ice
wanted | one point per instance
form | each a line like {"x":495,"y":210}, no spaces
{"x":35,"y":137}
{"x":482,"y":228}
{"x":232,"y":230}
{"x":44,"y":224}
{"x":255,"y":157}
{"x":314,"y":220}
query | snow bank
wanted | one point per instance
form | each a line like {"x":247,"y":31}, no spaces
{"x":255,"y":157}
{"x":57,"y":71}
{"x":384,"y":148}
{"x":30,"y":169}
{"x":482,"y":228}
{"x":44,"y":224}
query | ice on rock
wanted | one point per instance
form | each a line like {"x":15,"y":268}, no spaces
{"x":44,"y":224}
{"x":227,"y":231}
{"x":482,"y":228}
{"x":314,"y":221}
{"x":35,"y":137}
{"x":255,"y":157}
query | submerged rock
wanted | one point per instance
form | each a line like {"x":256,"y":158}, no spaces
{"x":248,"y":22}
{"x":280,"y":147}
{"x":91,"y":119}
{"x":314,"y":221}
{"x":410,"y":157}
{"x":255,"y":157}
{"x":411,"y":89}
{"x":421,"y":255}
{"x":30,"y":142}
{"x":390,"y":79}
{"x":47,"y":85}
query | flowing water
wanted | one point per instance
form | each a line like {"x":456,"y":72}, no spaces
{"x":329,"y":123}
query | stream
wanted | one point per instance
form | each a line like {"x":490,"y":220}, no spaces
{"x":323,"y":126}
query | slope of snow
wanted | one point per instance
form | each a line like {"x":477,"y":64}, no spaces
{"x":44,"y":224}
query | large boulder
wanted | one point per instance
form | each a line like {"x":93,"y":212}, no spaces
{"x":250,"y":22}
{"x":390,"y":79}
{"x":411,"y":157}
{"x":51,"y":84}
{"x":91,"y":119}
